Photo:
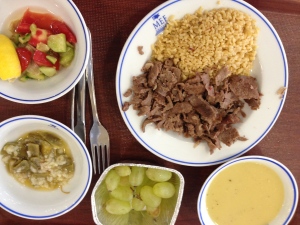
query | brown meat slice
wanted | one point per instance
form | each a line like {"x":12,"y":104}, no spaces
{"x":182,"y":107}
{"x":125,"y":106}
{"x":154,"y":72}
{"x":244,"y":87}
{"x":229,"y":99}
{"x":207,"y":111}
{"x":194,"y":80}
{"x":148,"y":100}
{"x":221,"y":75}
{"x":253,"y":103}
{"x":145,"y":123}
{"x":229,"y":136}
{"x":140,"y":80}
{"x":176,"y":71}
{"x":192,"y":117}
{"x":147,"y":66}
{"x":231,"y":119}
{"x":144,"y":110}
{"x":128,"y":92}
{"x":194,"y":89}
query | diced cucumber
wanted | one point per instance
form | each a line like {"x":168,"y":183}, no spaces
{"x":57,"y":42}
{"x":36,"y":76}
{"x":70,"y":45}
{"x":23,"y":78}
{"x":51,"y":59}
{"x":15,"y":38}
{"x":25,"y":38}
{"x":48,"y":71}
{"x":66,"y":57}
{"x":42,"y":47}
{"x":33,"y":29}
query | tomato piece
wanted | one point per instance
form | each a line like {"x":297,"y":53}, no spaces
{"x":24,"y":56}
{"x":58,"y":27}
{"x":41,"y":20}
{"x":40,"y":59}
{"x":23,"y":28}
{"x":41,"y":35}
{"x":45,"y":21}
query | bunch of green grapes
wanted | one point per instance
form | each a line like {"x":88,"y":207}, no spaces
{"x":137,"y":188}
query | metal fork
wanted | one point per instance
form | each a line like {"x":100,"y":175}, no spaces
{"x":99,"y":138}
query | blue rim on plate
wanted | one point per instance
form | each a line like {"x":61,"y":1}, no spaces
{"x":249,"y":158}
{"x":88,"y":159}
{"x":61,"y":93}
{"x":119,"y":75}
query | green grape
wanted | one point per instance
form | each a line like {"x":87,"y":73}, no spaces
{"x":137,"y":176}
{"x":158,"y":175}
{"x":123,"y":171}
{"x":137,"y":204}
{"x":149,"y":198}
{"x":135,"y":218}
{"x":123,"y":193}
{"x":153,"y":211}
{"x":136,"y":191}
{"x":164,"y":189}
{"x":118,"y":207}
{"x":124,"y":181}
{"x":112,"y":180}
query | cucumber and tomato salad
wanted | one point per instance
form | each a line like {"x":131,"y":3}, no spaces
{"x":44,"y":44}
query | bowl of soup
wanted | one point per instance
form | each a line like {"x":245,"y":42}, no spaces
{"x":45,"y":168}
{"x":248,"y":190}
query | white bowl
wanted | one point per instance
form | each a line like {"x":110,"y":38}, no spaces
{"x":289,"y":183}
{"x":34,"y":92}
{"x":28,"y":203}
{"x":100,"y":195}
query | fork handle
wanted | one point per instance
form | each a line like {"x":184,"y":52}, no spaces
{"x":91,"y":85}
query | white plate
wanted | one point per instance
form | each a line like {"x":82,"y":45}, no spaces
{"x":289,"y":205}
{"x":270,"y":69}
{"x":28,"y":203}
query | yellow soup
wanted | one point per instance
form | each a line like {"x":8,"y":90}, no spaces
{"x":245,"y":193}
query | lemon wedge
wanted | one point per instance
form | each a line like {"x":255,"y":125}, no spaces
{"x":10,"y":66}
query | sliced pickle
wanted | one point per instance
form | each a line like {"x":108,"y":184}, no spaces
{"x":11,"y":164}
{"x":52,"y":139}
{"x":33,"y":150}
{"x":21,"y":167}
{"x":34,"y":136}
{"x":69,"y":168}
{"x":34,"y":167}
{"x":46,"y":148}
{"x":22,"y":152}
{"x":36,"y":161}
{"x":60,"y":151}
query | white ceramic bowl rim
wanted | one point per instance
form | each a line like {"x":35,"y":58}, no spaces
{"x":83,"y":147}
{"x":70,"y":85}
{"x":254,"y":157}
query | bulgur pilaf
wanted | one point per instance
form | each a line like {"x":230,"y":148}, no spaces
{"x":209,"y":39}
